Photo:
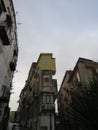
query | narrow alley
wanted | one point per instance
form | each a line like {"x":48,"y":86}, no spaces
{"x":48,"y":65}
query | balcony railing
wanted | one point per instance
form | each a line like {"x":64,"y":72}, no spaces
{"x":48,"y":108}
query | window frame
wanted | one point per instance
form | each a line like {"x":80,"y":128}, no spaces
{"x":48,"y":99}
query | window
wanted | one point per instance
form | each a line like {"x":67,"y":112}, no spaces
{"x":15,"y":53}
{"x":52,"y":99}
{"x":44,"y":99}
{"x":0,"y":10}
{"x":47,"y":99}
{"x":78,"y":77}
{"x":2,"y":7}
{"x":3,"y":90}
{"x":46,"y":80}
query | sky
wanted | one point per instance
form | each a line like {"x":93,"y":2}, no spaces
{"x":66,"y":28}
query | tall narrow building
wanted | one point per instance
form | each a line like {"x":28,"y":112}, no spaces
{"x":8,"y":57}
{"x":36,"y":109}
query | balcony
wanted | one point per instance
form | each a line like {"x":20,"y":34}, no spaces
{"x":5,"y":23}
{"x":4,"y":36}
{"x":48,"y":108}
{"x":6,"y":18}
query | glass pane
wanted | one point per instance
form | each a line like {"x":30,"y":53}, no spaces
{"x":48,"y":99}
{"x":51,"y":99}
{"x":44,"y":99}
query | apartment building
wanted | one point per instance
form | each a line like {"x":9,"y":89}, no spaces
{"x":8,"y":57}
{"x":36,"y":109}
{"x":74,"y":82}
{"x":64,"y":100}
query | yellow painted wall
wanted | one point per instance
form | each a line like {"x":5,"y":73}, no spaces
{"x":46,"y":62}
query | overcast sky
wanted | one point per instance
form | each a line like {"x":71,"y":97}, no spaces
{"x":66,"y":28}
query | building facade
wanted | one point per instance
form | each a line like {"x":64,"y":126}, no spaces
{"x":74,"y":82}
{"x":36,"y":109}
{"x":8,"y":57}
